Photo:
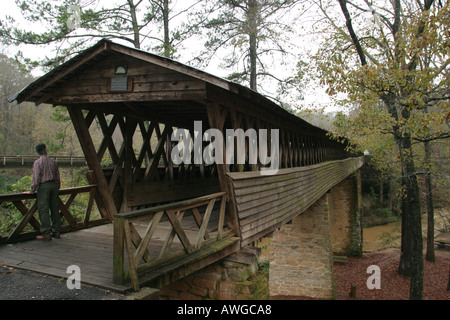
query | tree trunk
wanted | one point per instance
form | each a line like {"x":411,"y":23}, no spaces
{"x":381,"y":193}
{"x":391,"y":196}
{"x":134,"y":21}
{"x":167,"y":46}
{"x":448,"y":284}
{"x":253,"y":13}
{"x":411,"y":259}
{"x":430,"y":256}
{"x":253,"y":69}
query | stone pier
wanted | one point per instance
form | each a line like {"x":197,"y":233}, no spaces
{"x":232,"y":278}
{"x":345,"y":216}
{"x":301,"y":252}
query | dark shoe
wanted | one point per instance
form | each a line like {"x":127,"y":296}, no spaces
{"x":43,"y":237}
{"x":56,"y":235}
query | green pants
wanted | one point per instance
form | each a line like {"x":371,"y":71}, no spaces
{"x":47,"y":201}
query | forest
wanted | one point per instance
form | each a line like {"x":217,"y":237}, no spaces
{"x":375,"y":72}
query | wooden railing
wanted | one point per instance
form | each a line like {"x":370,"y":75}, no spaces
{"x":265,"y":203}
{"x":27,"y":206}
{"x":27,"y":161}
{"x":164,"y":222}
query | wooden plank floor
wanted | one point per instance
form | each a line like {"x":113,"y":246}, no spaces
{"x":90,"y":249}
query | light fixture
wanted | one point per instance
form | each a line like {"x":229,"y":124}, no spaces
{"x":122,"y":69}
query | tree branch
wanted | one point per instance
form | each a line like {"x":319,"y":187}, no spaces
{"x":359,"y":50}
{"x":433,"y":138}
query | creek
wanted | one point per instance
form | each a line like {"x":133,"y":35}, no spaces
{"x":381,"y":237}
{"x":389,"y":235}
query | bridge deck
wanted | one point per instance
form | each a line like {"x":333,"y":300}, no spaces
{"x":90,"y":249}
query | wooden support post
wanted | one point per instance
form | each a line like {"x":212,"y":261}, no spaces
{"x":216,"y":120}
{"x":87,"y":145}
{"x":118,"y":251}
{"x":132,"y":265}
{"x":130,"y":128}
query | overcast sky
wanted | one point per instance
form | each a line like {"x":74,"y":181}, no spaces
{"x":314,"y":94}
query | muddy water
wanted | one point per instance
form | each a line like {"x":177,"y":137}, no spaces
{"x":389,"y":235}
{"x":374,"y":238}
{"x":381,"y":237}
{"x":385,"y":236}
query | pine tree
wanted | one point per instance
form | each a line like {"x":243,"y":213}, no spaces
{"x":70,"y":26}
{"x":252,"y":29}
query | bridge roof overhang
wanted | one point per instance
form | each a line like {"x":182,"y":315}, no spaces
{"x":117,"y":79}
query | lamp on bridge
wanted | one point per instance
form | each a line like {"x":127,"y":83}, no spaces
{"x":122,"y":69}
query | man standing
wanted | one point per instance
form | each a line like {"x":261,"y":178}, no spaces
{"x":46,"y":181}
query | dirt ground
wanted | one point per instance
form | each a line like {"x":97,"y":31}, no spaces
{"x":393,"y":286}
{"x":381,"y":248}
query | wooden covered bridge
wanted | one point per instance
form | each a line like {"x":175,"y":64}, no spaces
{"x":165,"y":219}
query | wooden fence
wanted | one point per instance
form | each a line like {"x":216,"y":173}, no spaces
{"x":27,"y":161}
{"x":146,"y":252}
{"x":27,"y":206}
